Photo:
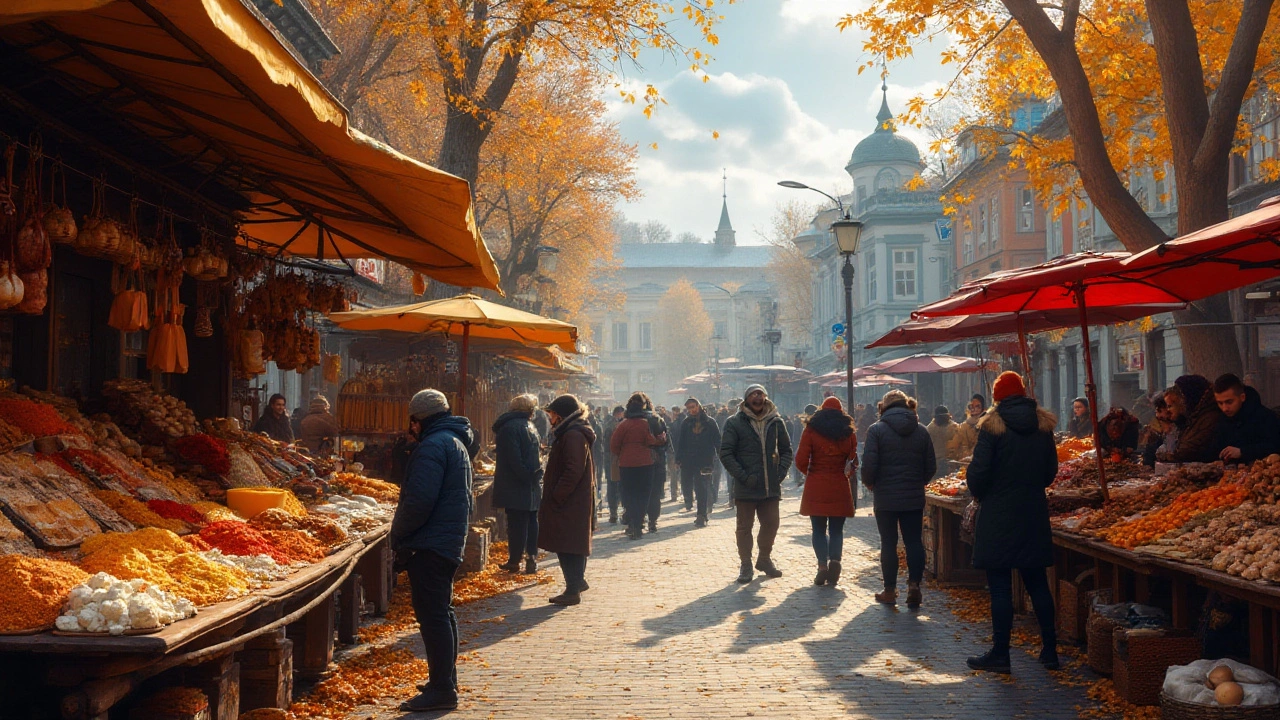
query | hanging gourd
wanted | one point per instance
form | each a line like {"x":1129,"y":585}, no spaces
{"x":11,"y":288}
{"x":35,"y":292}
{"x":99,"y":235}
{"x":59,"y":221}
{"x":32,"y":252}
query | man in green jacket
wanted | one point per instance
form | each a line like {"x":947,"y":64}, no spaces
{"x":756,"y":452}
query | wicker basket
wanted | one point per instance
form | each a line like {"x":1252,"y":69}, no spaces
{"x":1172,"y":709}
{"x":1100,"y":630}
{"x":1141,"y":657}
{"x":1073,"y":607}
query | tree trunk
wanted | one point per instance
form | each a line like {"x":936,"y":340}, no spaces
{"x":460,"y":146}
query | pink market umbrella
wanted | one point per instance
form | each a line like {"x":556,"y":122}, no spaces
{"x":868,"y":381}
{"x":929,"y":363}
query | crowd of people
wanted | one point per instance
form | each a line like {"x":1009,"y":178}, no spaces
{"x":561,"y":466}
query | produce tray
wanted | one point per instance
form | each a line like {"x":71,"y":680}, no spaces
{"x":130,"y":632}
{"x":32,"y":631}
{"x":13,"y":541}
{"x":48,"y":515}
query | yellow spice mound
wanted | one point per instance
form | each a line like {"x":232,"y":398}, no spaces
{"x":189,"y":574}
{"x":147,"y":540}
{"x":34,"y":590}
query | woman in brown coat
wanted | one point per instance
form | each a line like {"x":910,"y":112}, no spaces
{"x":828,"y":450}
{"x":567,"y":515}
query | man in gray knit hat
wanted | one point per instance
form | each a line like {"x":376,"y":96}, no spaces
{"x":755,"y":450}
{"x":428,"y":534}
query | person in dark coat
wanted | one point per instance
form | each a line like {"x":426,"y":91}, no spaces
{"x":597,"y":448}
{"x":756,"y":452}
{"x":695,"y":455}
{"x":1119,"y":434}
{"x":1247,"y":431}
{"x":1152,"y":436}
{"x":428,"y":534}
{"x":897,"y":462}
{"x":1081,"y":423}
{"x":612,"y":494}
{"x":826,"y":457}
{"x":1195,"y":413}
{"x":1013,"y":463}
{"x":275,"y":421}
{"x":517,"y":481}
{"x":658,"y":486}
{"x":673,"y":469}
{"x":632,"y":446}
{"x":567,"y":516}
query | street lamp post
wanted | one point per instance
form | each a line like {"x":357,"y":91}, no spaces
{"x":848,"y":234}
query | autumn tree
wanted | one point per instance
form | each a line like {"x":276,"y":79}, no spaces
{"x":684,"y":329}
{"x":473,"y":52}
{"x":790,"y":269}
{"x":688,"y":238}
{"x":1143,"y":84}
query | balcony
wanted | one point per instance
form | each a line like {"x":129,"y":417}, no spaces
{"x":914,"y":201}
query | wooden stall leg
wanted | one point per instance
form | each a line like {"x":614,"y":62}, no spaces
{"x":313,"y":640}
{"x":266,"y":672}
{"x":220,"y":682}
{"x":1141,"y":588}
{"x":1119,"y":586}
{"x":1181,"y":612}
{"x":1260,"y":631}
{"x":349,"y":609}
{"x":376,"y":576}
{"x":947,"y":534}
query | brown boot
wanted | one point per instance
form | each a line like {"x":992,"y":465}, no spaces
{"x":821,"y":577}
{"x":913,"y":596}
{"x":833,"y":572}
{"x":888,"y":597}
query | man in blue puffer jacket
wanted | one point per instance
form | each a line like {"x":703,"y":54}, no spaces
{"x":428,"y":535}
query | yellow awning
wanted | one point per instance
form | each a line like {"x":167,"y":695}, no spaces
{"x":213,"y":83}
{"x":487,"y":321}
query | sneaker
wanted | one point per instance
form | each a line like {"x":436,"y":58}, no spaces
{"x":888,"y":597}
{"x":530,"y":565}
{"x":833,"y":572}
{"x":766,"y":566}
{"x":821,"y":577}
{"x":1049,"y":658}
{"x":565,"y":599}
{"x":431,"y":700}
{"x":991,"y":661}
{"x":913,"y":596}
{"x":745,"y":573}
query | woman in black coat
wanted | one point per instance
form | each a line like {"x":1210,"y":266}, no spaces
{"x":897,"y":462}
{"x":517,"y":481}
{"x":1014,"y":461}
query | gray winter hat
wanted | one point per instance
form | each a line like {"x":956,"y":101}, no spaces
{"x":426,"y":403}
{"x":753,"y":388}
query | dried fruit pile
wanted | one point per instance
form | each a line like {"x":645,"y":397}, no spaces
{"x":1155,"y":524}
{"x":377,"y":489}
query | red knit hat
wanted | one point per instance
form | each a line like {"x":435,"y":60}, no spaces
{"x":1007,"y":385}
{"x":832,"y":403}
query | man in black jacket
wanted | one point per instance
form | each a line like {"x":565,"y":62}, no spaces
{"x":275,"y":421}
{"x":695,"y":454}
{"x":1247,"y":431}
{"x":756,"y":452}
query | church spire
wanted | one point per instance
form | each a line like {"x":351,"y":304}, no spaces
{"x":884,"y":118}
{"x":725,"y":235}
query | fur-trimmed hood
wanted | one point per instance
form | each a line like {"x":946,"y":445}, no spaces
{"x":1020,"y":414}
{"x":831,"y":424}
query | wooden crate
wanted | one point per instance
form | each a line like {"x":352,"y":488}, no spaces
{"x":266,"y":672}
{"x":476,"y":553}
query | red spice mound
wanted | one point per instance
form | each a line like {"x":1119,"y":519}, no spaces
{"x":176,"y":511}
{"x":34,"y":417}
{"x":206,"y":450}
{"x":237,"y":538}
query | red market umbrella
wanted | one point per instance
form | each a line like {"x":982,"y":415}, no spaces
{"x":1232,"y":254}
{"x":928,"y":363}
{"x":967,"y":327}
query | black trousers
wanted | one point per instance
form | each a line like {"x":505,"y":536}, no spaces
{"x":635,"y":494}
{"x":657,"y":487}
{"x":911,"y":522}
{"x":574,"y":568}
{"x":1036,"y":581}
{"x":688,"y":478}
{"x":522,"y":533}
{"x":431,"y":589}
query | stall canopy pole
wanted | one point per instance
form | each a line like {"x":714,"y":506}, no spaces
{"x":462,"y":369}
{"x":1026,"y":358}
{"x":1090,"y":389}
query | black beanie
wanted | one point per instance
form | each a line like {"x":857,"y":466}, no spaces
{"x":564,"y":406}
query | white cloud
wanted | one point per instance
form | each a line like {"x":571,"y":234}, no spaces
{"x":824,"y":13}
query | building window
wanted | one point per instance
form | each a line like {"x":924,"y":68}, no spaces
{"x":1055,"y":237}
{"x":645,"y":378}
{"x":619,"y":336}
{"x":982,"y":225}
{"x":904,"y":273}
{"x":994,"y":216}
{"x":862,"y":196}
{"x":1084,"y":228}
{"x":888,"y":180}
{"x":995,"y":266}
{"x":1026,"y":210}
{"x":1162,"y":195}
{"x":968,"y":250}
{"x":871,"y":277}
{"x":721,"y":329}
{"x":646,"y":336}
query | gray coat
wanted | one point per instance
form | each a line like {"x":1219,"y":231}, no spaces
{"x":898,"y":461}
{"x":517,"y":476}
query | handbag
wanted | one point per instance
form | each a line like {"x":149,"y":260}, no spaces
{"x":969,"y":517}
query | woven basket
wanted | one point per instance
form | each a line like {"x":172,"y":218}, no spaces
{"x":1099,"y":631}
{"x":1141,"y":657}
{"x":1073,"y":607}
{"x":1173,"y":709}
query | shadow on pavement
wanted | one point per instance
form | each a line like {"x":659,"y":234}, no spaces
{"x":705,"y":612}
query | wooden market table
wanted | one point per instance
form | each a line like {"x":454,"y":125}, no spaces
{"x":300,"y":613}
{"x":949,"y":557}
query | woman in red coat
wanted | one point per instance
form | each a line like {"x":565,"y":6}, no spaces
{"x":827,"y":455}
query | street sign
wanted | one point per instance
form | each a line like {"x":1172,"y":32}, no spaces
{"x":837,"y":329}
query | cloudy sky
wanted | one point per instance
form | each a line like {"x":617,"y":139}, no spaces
{"x":784,"y":95}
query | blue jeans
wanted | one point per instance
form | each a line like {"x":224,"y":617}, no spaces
{"x":828,"y":546}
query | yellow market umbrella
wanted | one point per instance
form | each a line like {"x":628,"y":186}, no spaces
{"x":467,"y":316}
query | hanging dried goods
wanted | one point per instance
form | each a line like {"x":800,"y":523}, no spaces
{"x":35,"y":293}
{"x":59,"y":221}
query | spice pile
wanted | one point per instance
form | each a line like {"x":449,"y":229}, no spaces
{"x":169,"y":562}
{"x":238,"y":538}
{"x":33,"y":591}
{"x":379,"y":490}
{"x":206,"y":451}
{"x":33,"y":417}
{"x":107,"y":604}
{"x":138,"y":513}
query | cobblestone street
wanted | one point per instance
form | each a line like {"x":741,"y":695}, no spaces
{"x":666,"y":632}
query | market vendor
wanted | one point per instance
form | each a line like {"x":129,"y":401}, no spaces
{"x":1247,"y":431}
{"x":1195,"y":413}
{"x":966,"y":435}
{"x":1119,"y":434}
{"x":275,"y":421}
{"x":1081,"y":424}
{"x":1153,"y":435}
{"x":319,"y":427}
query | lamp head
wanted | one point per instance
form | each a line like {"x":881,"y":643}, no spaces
{"x":793,"y":185}
{"x":848,"y":235}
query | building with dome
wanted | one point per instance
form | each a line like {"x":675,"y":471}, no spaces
{"x":905,"y":258}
